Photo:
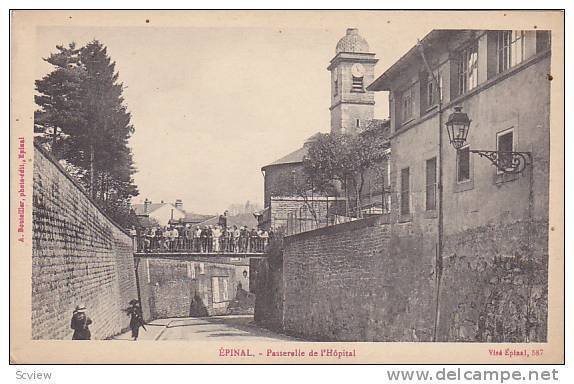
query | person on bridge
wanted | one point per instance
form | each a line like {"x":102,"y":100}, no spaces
{"x":188,"y":237}
{"x":204,"y":239}
{"x":196,"y":239}
{"x":80,"y":324}
{"x":236,"y":235}
{"x":174,"y":239}
{"x":222,"y":221}
{"x":216,"y":238}
{"x":264,"y":238}
{"x":243,"y":239}
{"x":136,"y":318}
{"x":210,"y":239}
{"x":158,"y":238}
{"x":228,"y":240}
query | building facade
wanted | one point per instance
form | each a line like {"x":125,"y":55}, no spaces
{"x":495,"y":225}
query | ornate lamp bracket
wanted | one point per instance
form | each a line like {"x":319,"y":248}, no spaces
{"x":507,"y":162}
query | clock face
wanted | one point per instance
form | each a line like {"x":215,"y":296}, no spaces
{"x":357,"y":70}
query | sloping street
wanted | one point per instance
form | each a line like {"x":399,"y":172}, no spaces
{"x":232,"y":328}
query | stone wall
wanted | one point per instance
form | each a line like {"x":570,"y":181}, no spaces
{"x":344,"y":283}
{"x":177,"y":288}
{"x":494,"y":287}
{"x":372,"y":281}
{"x":79,"y":256}
{"x":268,"y":288}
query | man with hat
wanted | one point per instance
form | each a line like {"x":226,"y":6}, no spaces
{"x":136,"y":320}
{"x":80,"y":323}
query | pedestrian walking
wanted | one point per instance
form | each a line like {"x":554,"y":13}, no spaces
{"x":136,"y":318}
{"x":80,"y":324}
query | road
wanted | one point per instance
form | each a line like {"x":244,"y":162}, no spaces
{"x":220,"y":328}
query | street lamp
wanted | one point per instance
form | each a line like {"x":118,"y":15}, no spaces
{"x":458,"y":125}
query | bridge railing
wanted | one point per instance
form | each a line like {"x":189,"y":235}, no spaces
{"x":246,"y":244}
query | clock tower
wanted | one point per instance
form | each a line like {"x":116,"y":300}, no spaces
{"x":352,"y":69}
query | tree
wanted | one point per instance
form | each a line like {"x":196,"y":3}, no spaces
{"x":60,"y":99}
{"x":343,"y":159}
{"x":82,"y":111}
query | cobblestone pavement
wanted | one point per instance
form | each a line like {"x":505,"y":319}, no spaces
{"x":220,"y":328}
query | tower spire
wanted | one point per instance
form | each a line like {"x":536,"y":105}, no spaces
{"x":352,"y":69}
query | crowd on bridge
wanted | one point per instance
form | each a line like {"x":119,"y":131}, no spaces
{"x":201,"y":239}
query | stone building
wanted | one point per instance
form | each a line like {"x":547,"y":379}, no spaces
{"x":500,"y":78}
{"x":352,"y":111}
{"x":482,"y":274}
{"x":162,"y":212}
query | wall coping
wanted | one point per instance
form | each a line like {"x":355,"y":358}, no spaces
{"x":53,"y":160}
{"x":372,"y":221}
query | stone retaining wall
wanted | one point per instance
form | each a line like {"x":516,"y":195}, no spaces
{"x":79,"y":256}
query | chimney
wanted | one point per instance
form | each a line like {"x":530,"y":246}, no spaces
{"x":179,"y":204}
{"x":146,"y":205}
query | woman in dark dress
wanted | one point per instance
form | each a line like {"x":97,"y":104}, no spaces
{"x":136,"y":320}
{"x":80,"y":323}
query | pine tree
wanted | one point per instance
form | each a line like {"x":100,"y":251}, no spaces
{"x":59,"y":97}
{"x":83,"y":112}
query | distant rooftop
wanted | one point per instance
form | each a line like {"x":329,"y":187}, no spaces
{"x":295,"y":156}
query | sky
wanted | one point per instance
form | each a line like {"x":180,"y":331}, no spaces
{"x":213,"y":104}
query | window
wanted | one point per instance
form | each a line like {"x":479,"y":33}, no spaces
{"x":407,"y":101}
{"x":463,"y":164}
{"x":191,"y":270}
{"x":357,"y":85}
{"x":215,"y":290}
{"x":504,"y":145}
{"x":510,"y":49}
{"x":147,"y":271}
{"x":387,"y":184}
{"x":357,"y":123}
{"x":430,"y":191}
{"x":542,"y":41}
{"x":405,"y":192}
{"x":219,"y":289}
{"x":336,"y":87}
{"x":430,"y":91}
{"x":201,"y":269}
{"x":467,"y":68}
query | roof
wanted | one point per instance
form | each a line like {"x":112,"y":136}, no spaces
{"x":382,"y":83}
{"x":242,"y":219}
{"x":139,"y":209}
{"x":352,"y":42}
{"x":295,"y":156}
{"x":196,"y":217}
